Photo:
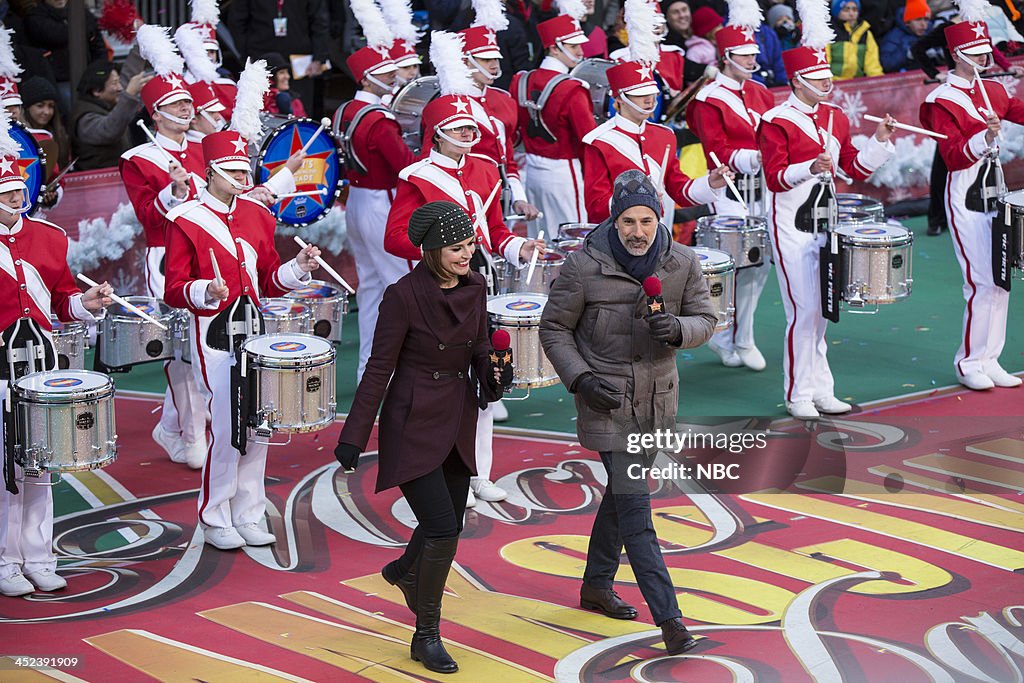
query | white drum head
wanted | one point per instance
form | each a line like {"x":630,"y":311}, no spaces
{"x":316,"y":289}
{"x":856,"y":201}
{"x":872,"y":233}
{"x":63,"y":382}
{"x":525,"y":305}
{"x":734,"y":223}
{"x":713,"y":260}
{"x":287,"y":346}
{"x":281,"y":308}
{"x":1014,"y":198}
{"x":153,"y":307}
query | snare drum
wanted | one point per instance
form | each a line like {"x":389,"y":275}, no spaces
{"x":851,"y":203}
{"x":519,"y":315}
{"x":126,"y":339}
{"x":575,"y":231}
{"x":568,"y":246}
{"x":720,"y":273}
{"x":1012,"y":203}
{"x":286,"y":315}
{"x":294,"y":381}
{"x":876,"y":263}
{"x":65,"y":421}
{"x":548,"y":267}
{"x":327,"y":304}
{"x":743,"y":238}
{"x":69,"y":340}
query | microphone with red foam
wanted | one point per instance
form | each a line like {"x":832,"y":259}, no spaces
{"x":652,"y":288}
{"x":501,"y":357}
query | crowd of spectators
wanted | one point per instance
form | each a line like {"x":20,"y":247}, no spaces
{"x":95,"y":126}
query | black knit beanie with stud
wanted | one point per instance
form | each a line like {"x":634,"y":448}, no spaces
{"x":439,"y":224}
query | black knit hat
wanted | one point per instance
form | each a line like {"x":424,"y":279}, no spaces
{"x":439,"y":224}
{"x":95,"y":76}
{"x":634,"y":188}
{"x":275,"y":62}
{"x":36,"y":89}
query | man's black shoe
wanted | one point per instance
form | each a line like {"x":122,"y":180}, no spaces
{"x":606,"y":601}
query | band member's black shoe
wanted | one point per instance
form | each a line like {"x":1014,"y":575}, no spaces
{"x":405,"y":583}
{"x":606,"y":601}
{"x":434,"y":562}
{"x":677,"y":639}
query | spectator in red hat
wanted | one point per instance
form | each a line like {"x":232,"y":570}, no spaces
{"x":682,"y":33}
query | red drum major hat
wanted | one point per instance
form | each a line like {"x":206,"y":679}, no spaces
{"x":481,"y":42}
{"x":403,"y":53}
{"x":204,"y":98}
{"x":739,"y":40}
{"x":969,"y":37}
{"x":807,"y":62}
{"x":561,"y":29}
{"x":228,"y":150}
{"x":11,"y":175}
{"x":632,"y":78}
{"x":370,"y":60}
{"x":9,"y":95}
{"x":447,"y":111}
{"x":163,"y":90}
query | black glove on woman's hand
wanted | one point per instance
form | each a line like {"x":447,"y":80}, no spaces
{"x":347,"y":455}
{"x":597,"y":393}
{"x":665,"y":328}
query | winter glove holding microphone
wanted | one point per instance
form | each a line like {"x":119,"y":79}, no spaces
{"x":500,"y":377}
{"x":665,"y":328}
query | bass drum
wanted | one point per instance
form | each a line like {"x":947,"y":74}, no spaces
{"x":321,"y":169}
{"x":408,"y":109}
{"x":32,"y":162}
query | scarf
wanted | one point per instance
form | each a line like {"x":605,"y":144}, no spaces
{"x":638,"y":267}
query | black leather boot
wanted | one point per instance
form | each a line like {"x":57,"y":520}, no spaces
{"x":677,"y":639}
{"x":434,"y":562}
{"x":406,"y":583}
{"x":606,"y":601}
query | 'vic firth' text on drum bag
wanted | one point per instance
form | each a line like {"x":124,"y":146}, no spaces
{"x":1002,"y":247}
{"x":830,"y":272}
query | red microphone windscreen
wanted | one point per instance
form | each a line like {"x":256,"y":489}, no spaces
{"x":501,"y":340}
{"x":652,"y":286}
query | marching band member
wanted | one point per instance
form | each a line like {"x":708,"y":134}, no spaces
{"x":555,"y":112}
{"x":398,"y":15}
{"x":209,"y":116}
{"x":671,"y":66}
{"x":158,"y":176}
{"x":725,"y":115}
{"x":375,"y":153}
{"x":452,"y":173}
{"x":629,"y":141}
{"x":35,"y":281}
{"x":240,"y":231}
{"x":205,"y":18}
{"x":802,"y":141}
{"x":971,"y":122}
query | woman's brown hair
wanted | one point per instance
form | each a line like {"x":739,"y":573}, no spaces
{"x":433,"y":259}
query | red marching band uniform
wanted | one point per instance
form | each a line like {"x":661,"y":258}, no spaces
{"x":619,"y":145}
{"x":957,"y":109}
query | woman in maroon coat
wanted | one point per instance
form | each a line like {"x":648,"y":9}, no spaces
{"x":431,"y":336}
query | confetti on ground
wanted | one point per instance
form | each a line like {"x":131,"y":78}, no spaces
{"x":923,"y":329}
{"x":910,"y":386}
{"x":535,"y":415}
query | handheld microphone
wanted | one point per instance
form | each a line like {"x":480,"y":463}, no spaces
{"x":655,"y":304}
{"x":501,"y":356}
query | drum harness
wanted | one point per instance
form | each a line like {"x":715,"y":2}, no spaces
{"x":348,"y":152}
{"x":27,"y":349}
{"x":536,"y":128}
{"x":227,"y":332}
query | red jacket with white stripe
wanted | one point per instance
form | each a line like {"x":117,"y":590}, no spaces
{"x":473,"y":183}
{"x":144,"y":172}
{"x":568,"y":114}
{"x":792,"y":135}
{"x":242,"y":239}
{"x":725,"y":115}
{"x":955,"y":110}
{"x":377,"y":142}
{"x":497,"y":117}
{"x":618,"y":145}
{"x":34,"y":275}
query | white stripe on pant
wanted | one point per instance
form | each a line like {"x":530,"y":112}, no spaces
{"x":555,"y":187}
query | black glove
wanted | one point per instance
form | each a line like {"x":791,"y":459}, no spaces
{"x":504,"y":381}
{"x":665,"y":328}
{"x":597,"y":393}
{"x":347,"y":455}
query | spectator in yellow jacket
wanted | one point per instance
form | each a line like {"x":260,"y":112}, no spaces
{"x":855,"y":52}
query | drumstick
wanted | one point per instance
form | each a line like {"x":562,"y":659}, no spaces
{"x":728,"y":180}
{"x":330,"y":271}
{"x":131,"y":307}
{"x":53,"y":183}
{"x":520,"y":217}
{"x":324,"y":123}
{"x":153,"y":140}
{"x":216,"y":269}
{"x":533,"y":259}
{"x":984,"y":96}
{"x":906,"y":127}
{"x":313,"y":193}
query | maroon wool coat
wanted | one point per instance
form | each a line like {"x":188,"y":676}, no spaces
{"x":429,"y":340}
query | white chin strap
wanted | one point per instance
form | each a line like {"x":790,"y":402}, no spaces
{"x":742,"y":69}
{"x":573,"y":59}
{"x":819,"y":93}
{"x":979,"y":67}
{"x":238,"y":186}
{"x":218,"y":126}
{"x":459,"y":143}
{"x":388,"y":89}
{"x":25,"y":207}
{"x":175,"y":119}
{"x":482,"y":71}
{"x":636,"y":107}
